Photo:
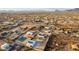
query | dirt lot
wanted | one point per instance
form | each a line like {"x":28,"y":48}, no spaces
{"x":64,"y":28}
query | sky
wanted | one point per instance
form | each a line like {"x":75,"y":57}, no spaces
{"x":35,"y":9}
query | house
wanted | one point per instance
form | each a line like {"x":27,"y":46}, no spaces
{"x":29,"y":35}
{"x":17,"y":46}
{"x":6,"y":46}
{"x":5,"y":34}
{"x":31,"y":43}
{"x":26,"y":42}
{"x":13,"y":36}
{"x":24,"y":26}
{"x":42,"y":35}
{"x":22,"y":39}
